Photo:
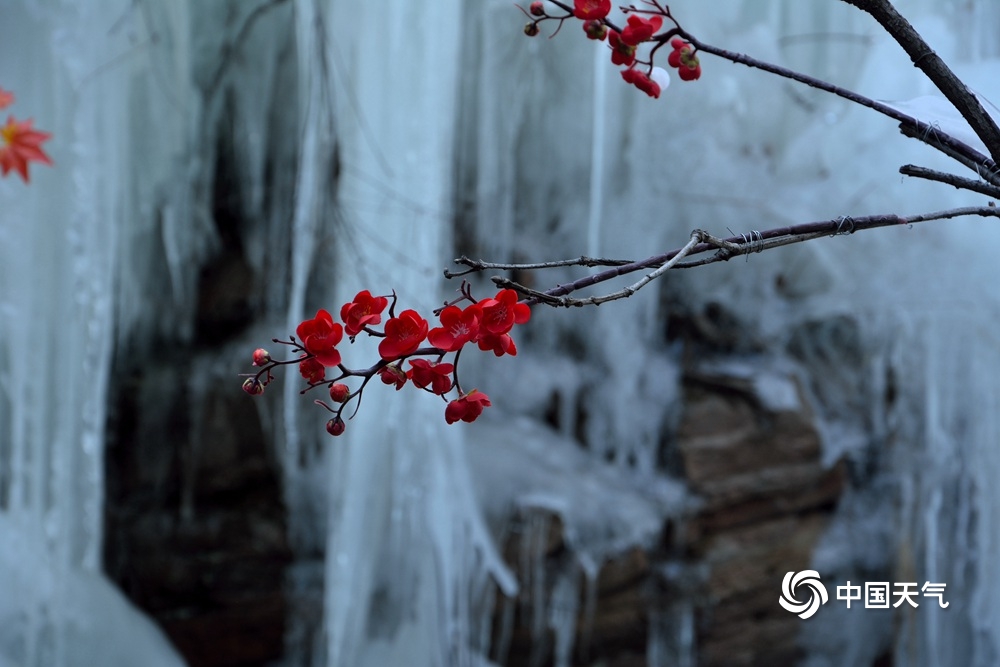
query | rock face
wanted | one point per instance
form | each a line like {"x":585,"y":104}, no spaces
{"x":197,"y":528}
{"x":767,"y":498}
{"x":612,"y":627}
{"x":747,"y":447}
{"x":196,"y":525}
{"x":196,"y":531}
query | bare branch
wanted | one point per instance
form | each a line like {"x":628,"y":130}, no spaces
{"x":725,"y":249}
{"x":477,"y":265}
{"x":984,"y":167}
{"x":951,"y":179}
{"x":697,"y":236}
{"x":924,"y":58}
{"x":909,"y":126}
{"x":937,"y":71}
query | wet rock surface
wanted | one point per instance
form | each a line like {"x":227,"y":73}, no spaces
{"x":195,"y":523}
{"x":749,"y":451}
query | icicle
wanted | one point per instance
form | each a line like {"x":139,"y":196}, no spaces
{"x":65,"y":247}
{"x":506,"y":629}
{"x":534,"y":542}
{"x":671,"y":641}
{"x":311,"y":180}
{"x":596,"y":212}
{"x":590,"y":570}
{"x":563,"y":609}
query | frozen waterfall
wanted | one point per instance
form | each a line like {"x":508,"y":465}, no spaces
{"x":369,"y":143}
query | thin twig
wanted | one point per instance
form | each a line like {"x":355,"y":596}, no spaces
{"x":697,"y":236}
{"x":477,"y":265}
{"x":951,"y":179}
{"x":229,"y":48}
{"x":726,"y":249}
{"x":984,"y":167}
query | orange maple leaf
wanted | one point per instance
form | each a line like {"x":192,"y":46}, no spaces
{"x":19,"y":145}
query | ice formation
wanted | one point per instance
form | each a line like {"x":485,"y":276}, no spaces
{"x":424,"y":114}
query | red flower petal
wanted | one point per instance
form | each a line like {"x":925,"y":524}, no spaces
{"x":590,"y":10}
{"x":466,"y":408}
{"x":435,"y":375}
{"x":458,"y":328}
{"x":320,"y":336}
{"x":364,"y":310}
{"x":503,"y":311}
{"x":312,"y":370}
{"x":392,"y":374}
{"x":640,"y":29}
{"x":403,"y":335}
{"x":500,"y":344}
{"x":641,"y":81}
{"x":621,"y":53}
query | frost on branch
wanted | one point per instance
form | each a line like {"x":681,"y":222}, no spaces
{"x":486,"y":324}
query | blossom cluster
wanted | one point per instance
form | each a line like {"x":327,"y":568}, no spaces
{"x":643,"y":26}
{"x":20,"y":143}
{"x":485,"y":324}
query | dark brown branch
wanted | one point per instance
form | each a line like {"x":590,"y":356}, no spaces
{"x":937,"y":71}
{"x":909,"y":125}
{"x":476,"y":265}
{"x":951,"y":179}
{"x":726,"y":249}
{"x":984,"y":167}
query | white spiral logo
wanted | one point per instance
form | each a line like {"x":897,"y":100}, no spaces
{"x":817,"y":595}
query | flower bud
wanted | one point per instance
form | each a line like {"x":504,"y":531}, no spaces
{"x":261,"y":357}
{"x":253,"y":387}
{"x":335,"y":426}
{"x":537,"y":9}
{"x":595,"y":29}
{"x":339,"y":392}
{"x":393,"y":374}
{"x":531,"y":29}
{"x":690,"y":72}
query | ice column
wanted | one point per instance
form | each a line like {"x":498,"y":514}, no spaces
{"x":77,"y":73}
{"x":405,"y":535}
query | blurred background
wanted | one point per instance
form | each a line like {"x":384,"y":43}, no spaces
{"x":650,"y":469}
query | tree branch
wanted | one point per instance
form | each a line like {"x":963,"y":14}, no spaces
{"x":477,"y":265}
{"x":701,"y":242}
{"x":984,"y":167}
{"x":951,"y":179}
{"x":931,"y":64}
{"x":909,"y":125}
{"x":697,"y":236}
